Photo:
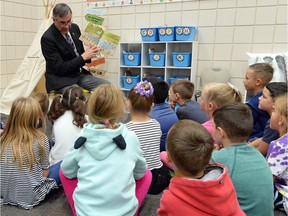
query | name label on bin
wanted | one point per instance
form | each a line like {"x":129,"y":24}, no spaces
{"x":128,"y":80}
{"x":130,"y":57}
{"x":145,"y":32}
{"x":185,"y":31}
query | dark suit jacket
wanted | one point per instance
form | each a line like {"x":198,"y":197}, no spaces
{"x":62,"y":64}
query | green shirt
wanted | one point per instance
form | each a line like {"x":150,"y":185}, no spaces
{"x":251,"y":177}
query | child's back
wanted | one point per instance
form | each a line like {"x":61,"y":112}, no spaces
{"x":68,"y":116}
{"x":161,"y":110}
{"x":148,"y":131}
{"x":189,"y":147}
{"x":106,"y":158}
{"x":24,"y":156}
{"x":257,"y":76}
{"x":247,"y":167}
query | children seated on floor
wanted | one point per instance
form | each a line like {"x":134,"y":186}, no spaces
{"x":26,"y":177}
{"x":106,"y":159}
{"x":266,"y":103}
{"x":198,"y":188}
{"x":277,"y":156}
{"x":257,"y":77}
{"x":181,"y":92}
{"x":247,"y":168}
{"x":140,"y":101}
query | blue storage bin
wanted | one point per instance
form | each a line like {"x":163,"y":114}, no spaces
{"x":149,"y":34}
{"x":185,"y":33}
{"x":173,"y":79}
{"x":166,"y":33}
{"x":181,"y":59}
{"x":157,"y":58}
{"x":132,"y":58}
{"x":130,"y":81}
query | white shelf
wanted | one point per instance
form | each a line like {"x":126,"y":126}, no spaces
{"x":166,"y":71}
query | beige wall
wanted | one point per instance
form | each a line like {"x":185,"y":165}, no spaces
{"x":227,"y":29}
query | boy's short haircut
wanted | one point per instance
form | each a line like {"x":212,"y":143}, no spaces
{"x":264,"y":71}
{"x":190,"y":146}
{"x":161,"y":89}
{"x":235,"y":119}
{"x":184,"y":88}
{"x":277,"y":89}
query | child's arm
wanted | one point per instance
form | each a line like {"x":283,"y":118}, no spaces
{"x":261,"y":145}
{"x":69,"y":164}
{"x":45,"y":172}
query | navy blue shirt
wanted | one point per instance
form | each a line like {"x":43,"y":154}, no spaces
{"x":166,"y":117}
{"x":191,"y":110}
{"x":260,"y":117}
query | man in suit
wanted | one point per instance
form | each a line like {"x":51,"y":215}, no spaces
{"x":65,"y":55}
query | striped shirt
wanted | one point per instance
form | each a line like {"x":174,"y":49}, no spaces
{"x":149,"y":134}
{"x":25,"y":188}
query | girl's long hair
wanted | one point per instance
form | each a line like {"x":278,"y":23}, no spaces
{"x":73,"y":99}
{"x":21,"y":131}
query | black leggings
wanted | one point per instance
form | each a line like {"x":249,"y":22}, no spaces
{"x":160,"y":180}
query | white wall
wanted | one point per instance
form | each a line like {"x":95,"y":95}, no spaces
{"x":227,"y":29}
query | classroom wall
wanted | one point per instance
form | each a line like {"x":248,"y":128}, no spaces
{"x":227,"y":29}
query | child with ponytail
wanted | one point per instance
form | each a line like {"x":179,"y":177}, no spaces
{"x":148,"y":131}
{"x":214,"y":96}
{"x":100,"y":170}
{"x":67,"y":114}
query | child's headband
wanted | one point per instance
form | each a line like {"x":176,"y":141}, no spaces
{"x":235,"y":90}
{"x":141,"y":90}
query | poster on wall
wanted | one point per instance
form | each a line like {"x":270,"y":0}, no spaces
{"x":111,"y":3}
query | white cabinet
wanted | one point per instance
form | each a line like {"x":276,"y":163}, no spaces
{"x":168,"y":70}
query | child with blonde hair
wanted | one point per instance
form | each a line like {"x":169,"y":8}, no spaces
{"x":67,"y":114}
{"x":140,"y":102}
{"x":215,"y":95}
{"x":26,"y":177}
{"x":106,"y":159}
{"x":278,"y":152}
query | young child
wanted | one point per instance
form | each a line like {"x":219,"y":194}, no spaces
{"x":43,"y":100}
{"x":140,"y":102}
{"x":257,"y":76}
{"x":266,"y":103}
{"x":161,"y":110}
{"x":278,"y":152}
{"x":25,"y":173}
{"x":189,"y":149}
{"x":215,"y":95}
{"x":181,"y":92}
{"x":106,"y":159}
{"x":247,"y":168}
{"x":67,"y":113}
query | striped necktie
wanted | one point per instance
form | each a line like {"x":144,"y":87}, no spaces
{"x":71,"y":43}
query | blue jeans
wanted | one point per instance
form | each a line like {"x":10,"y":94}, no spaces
{"x":54,"y":172}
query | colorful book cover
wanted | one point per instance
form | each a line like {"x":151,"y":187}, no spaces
{"x":94,"y":35}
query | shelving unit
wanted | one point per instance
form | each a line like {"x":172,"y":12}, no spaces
{"x":166,"y":71}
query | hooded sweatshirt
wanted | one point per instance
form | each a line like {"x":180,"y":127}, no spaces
{"x":106,"y":174}
{"x":213,"y":194}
